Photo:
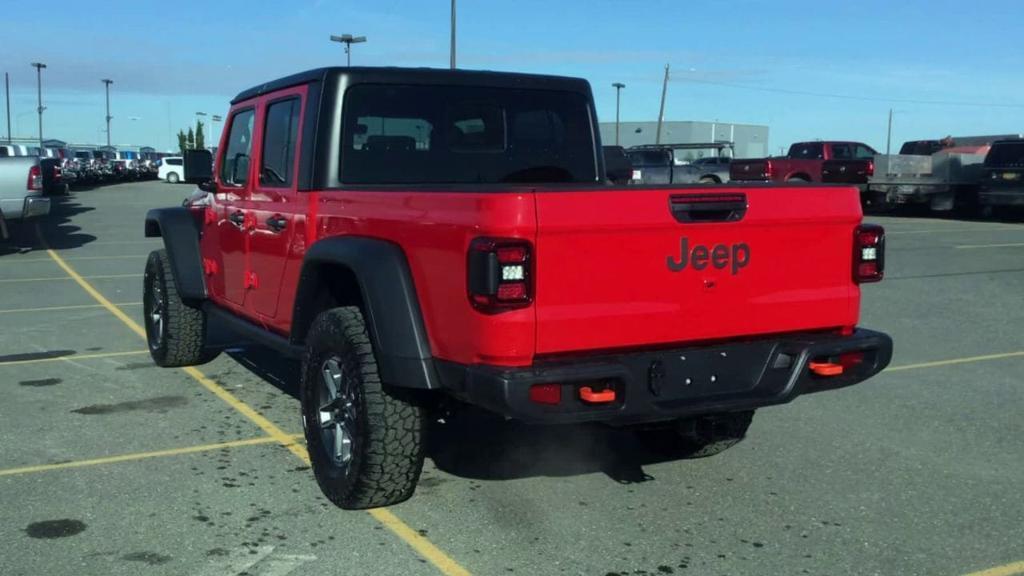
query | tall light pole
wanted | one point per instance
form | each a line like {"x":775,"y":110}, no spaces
{"x":661,"y":112}
{"x":7,"y":86}
{"x":888,"y":134}
{"x":618,"y":89}
{"x":213,"y":120}
{"x":39,"y":84}
{"x":453,"y":36}
{"x":348,"y":40}
{"x":107,"y":83}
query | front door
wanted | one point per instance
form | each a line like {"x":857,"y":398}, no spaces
{"x":274,"y":202}
{"x":231,"y":221}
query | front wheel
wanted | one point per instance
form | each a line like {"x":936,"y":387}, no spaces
{"x":698,"y":437}
{"x":175,"y":330}
{"x":365,"y":438}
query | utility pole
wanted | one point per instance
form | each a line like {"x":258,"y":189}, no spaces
{"x":618,"y":88}
{"x":108,"y":82}
{"x":661,"y":113}
{"x":7,"y":86}
{"x":453,"y":36}
{"x":39,"y":84}
{"x":348,"y":40}
{"x":888,"y":136}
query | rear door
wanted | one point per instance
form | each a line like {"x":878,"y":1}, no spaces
{"x":275,"y":201}
{"x":623,"y":268}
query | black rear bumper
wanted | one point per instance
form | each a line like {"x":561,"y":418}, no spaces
{"x":660,"y":385}
{"x":1011,"y":197}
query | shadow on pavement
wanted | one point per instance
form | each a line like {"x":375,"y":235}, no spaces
{"x":472,"y":443}
{"x":56,"y":227}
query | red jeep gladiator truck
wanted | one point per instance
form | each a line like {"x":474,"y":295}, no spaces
{"x":833,"y":162}
{"x":419,"y":235}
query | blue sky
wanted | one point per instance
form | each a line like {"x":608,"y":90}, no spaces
{"x":807,"y":69}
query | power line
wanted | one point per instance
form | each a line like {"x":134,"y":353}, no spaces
{"x":848,"y":96}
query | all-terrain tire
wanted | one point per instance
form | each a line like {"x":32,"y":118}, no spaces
{"x":384,"y":425}
{"x":178,"y":338}
{"x":698,"y":437}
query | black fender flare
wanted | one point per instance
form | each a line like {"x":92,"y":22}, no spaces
{"x":180,"y":231}
{"x":391,"y":306}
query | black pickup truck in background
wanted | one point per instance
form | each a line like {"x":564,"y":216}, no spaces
{"x":1002,"y":180}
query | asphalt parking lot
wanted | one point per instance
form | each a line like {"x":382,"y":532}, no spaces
{"x":111,"y":465}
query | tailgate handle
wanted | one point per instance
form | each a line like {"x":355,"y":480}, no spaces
{"x":708,"y":207}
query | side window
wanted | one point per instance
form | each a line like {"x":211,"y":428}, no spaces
{"x":234,"y":164}
{"x":842,"y":151}
{"x":807,"y":151}
{"x":864,"y":152}
{"x":280,"y":135}
{"x":174,"y":161}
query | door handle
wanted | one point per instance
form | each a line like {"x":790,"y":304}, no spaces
{"x":277,"y":223}
{"x":237,"y":218}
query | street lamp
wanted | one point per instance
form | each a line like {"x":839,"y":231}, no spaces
{"x":453,"y":36}
{"x":618,"y":89}
{"x":39,"y":83}
{"x":213,"y":120}
{"x":348,"y":40}
{"x":108,"y":82}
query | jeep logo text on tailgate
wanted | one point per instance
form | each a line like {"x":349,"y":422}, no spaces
{"x":736,"y":257}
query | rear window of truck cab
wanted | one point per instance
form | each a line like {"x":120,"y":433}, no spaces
{"x":405,"y":134}
{"x":1006,"y":154}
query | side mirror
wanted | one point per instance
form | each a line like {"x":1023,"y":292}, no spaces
{"x":208,"y":186}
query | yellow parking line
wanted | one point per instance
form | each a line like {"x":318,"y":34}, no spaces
{"x":50,"y":260}
{"x":973,"y":246}
{"x":446,"y":564}
{"x":1005,"y":570}
{"x":73,"y":357}
{"x":53,"y":308}
{"x":137,"y":456}
{"x":59,"y":278}
{"x":950,"y":362}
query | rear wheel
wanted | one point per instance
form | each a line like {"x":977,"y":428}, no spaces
{"x":709,"y":180}
{"x":175,"y":330}
{"x":172,"y":177}
{"x":698,"y":437}
{"x":797,"y":180}
{"x":365,"y":438}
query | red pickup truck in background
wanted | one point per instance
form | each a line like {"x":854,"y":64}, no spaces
{"x":833,"y":162}
{"x":435,"y":238}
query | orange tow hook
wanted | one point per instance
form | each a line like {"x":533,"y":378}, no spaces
{"x":588,"y":394}
{"x":826,"y":368}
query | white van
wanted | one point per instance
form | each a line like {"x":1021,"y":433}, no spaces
{"x":172,"y":169}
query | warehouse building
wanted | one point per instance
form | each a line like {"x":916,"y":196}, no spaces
{"x":749,"y":140}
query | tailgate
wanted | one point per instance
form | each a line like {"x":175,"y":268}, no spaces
{"x":846,"y":171}
{"x":748,"y":170}
{"x":611,"y":271}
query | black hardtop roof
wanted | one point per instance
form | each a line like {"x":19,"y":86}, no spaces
{"x":438,"y":76}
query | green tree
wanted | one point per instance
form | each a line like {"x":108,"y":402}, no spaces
{"x":200,"y":137}
{"x":182,"y":142}
{"x":191,"y":139}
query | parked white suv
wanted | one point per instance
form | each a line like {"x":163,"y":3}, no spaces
{"x":172,"y":169}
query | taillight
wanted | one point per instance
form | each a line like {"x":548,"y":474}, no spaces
{"x":868,"y":253}
{"x":499,"y":274}
{"x":768,"y":169}
{"x":35,"y":178}
{"x":871,"y":168}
